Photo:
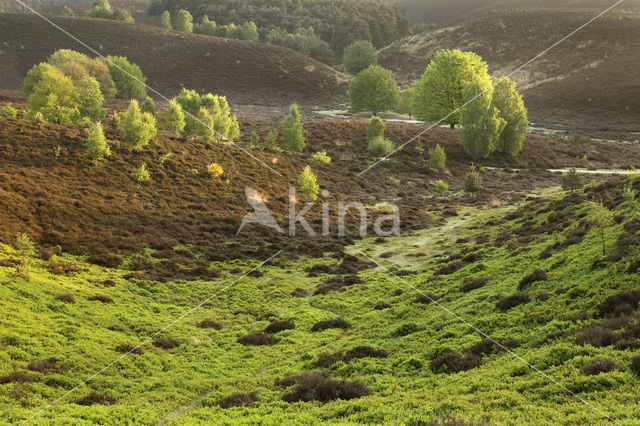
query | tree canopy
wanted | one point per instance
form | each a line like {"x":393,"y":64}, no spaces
{"x":374,"y":89}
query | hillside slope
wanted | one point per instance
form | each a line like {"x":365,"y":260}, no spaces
{"x":244,"y":72}
{"x":587,"y":81}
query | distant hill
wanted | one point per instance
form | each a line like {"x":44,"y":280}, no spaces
{"x":447,"y":11}
{"x":585,"y":81}
{"x":243,"y":71}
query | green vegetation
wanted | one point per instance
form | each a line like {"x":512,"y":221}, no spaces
{"x":292,"y":131}
{"x":308,"y":183}
{"x":441,"y":186}
{"x":90,"y":99}
{"x":97,"y":147}
{"x":9,"y":111}
{"x":67,"y":11}
{"x":405,"y":101}
{"x":510,"y":106}
{"x":602,"y":218}
{"x":100,"y":9}
{"x":51,"y":93}
{"x":473,"y":180}
{"x":175,"y":120}
{"x":184,"y":21}
{"x":480,"y":120}
{"x":379,"y":146}
{"x":148,"y":106}
{"x":438,"y":158}
{"x":208,"y":116}
{"x":359,"y":56}
{"x":165,"y":20}
{"x":374,"y":90}
{"x":375,"y":128}
{"x":127,"y":77}
{"x":215,"y":170}
{"x":141,"y":174}
{"x":571,"y":180}
{"x":321,"y":157}
{"x":137,"y":127}
{"x":439,"y":93}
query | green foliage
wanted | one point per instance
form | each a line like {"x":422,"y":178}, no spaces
{"x":571,"y":180}
{"x":374,"y":89}
{"x":292,"y":132}
{"x":440,"y":90}
{"x":405,"y":101}
{"x":137,"y":128}
{"x":175,"y":118}
{"x":163,"y":159}
{"x":272,"y":139}
{"x":480,"y":120}
{"x":250,"y":32}
{"x":380,"y":147}
{"x":24,"y":243}
{"x":255,"y":139}
{"x":634,"y":365}
{"x":511,"y":109}
{"x":127,"y":77}
{"x":165,"y":20}
{"x":437,"y":158}
{"x":141,"y":174}
{"x":321,"y":157}
{"x":97,"y":147}
{"x":123,"y":15}
{"x":9,"y":111}
{"x":208,"y":27}
{"x":441,"y":186}
{"x":307,"y":182}
{"x":376,"y":128}
{"x":90,"y":99}
{"x":359,"y":56}
{"x":67,"y":11}
{"x":204,"y":125}
{"x":148,"y":106}
{"x":78,"y":66}
{"x":217,"y":109}
{"x":629,"y":195}
{"x":184,"y":21}
{"x":601,"y":217}
{"x":100,"y":9}
{"x":473,"y":180}
{"x":52,"y":95}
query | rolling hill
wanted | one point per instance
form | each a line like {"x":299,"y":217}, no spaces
{"x":584,"y":82}
{"x":245,"y":72}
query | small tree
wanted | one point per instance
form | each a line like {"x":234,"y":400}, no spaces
{"x":473,"y":180}
{"x":511,"y":109}
{"x":255,"y":139}
{"x":308,"y":183}
{"x":165,"y":20}
{"x":571,"y":180}
{"x":439,"y":93}
{"x":100,"y":9}
{"x":9,"y":111}
{"x":123,"y":15}
{"x":373,"y":90}
{"x":225,"y":125}
{"x":127,"y":77}
{"x":441,"y":186}
{"x":67,"y":11}
{"x":97,"y":147}
{"x":141,"y":174}
{"x":250,"y":32}
{"x":481,"y":124}
{"x":292,"y":132}
{"x":90,"y":99}
{"x":376,"y":128}
{"x":138,"y":128}
{"x":205,"y":125}
{"x":175,"y":118}
{"x":207,"y":27}
{"x":184,"y":21}
{"x":601,"y":217}
{"x":359,"y":56}
{"x":437,"y":158}
{"x":405,"y":101}
{"x":148,"y":106}
{"x":380,"y":147}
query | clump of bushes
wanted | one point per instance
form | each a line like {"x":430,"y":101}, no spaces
{"x":380,"y":146}
{"x":141,"y":174}
{"x":597,"y":366}
{"x":318,"y":386}
{"x":97,"y":147}
{"x":130,"y":349}
{"x":96,"y":398}
{"x":15,"y":377}
{"x":470,"y":284}
{"x":453,"y":362}
{"x":278,"y":326}
{"x":9,"y":111}
{"x":441,"y":186}
{"x":535,"y":276}
{"x":473,"y":180}
{"x":332,"y":323}
{"x":210,"y":324}
{"x":509,"y":302}
{"x":238,"y":400}
{"x":405,"y":329}
{"x":596,"y":336}
{"x":66,"y":297}
{"x":215,"y":170}
{"x":107,"y":260}
{"x":207,"y":116}
{"x":321,"y":157}
{"x":634,"y":365}
{"x":618,"y":304}
{"x":258,"y":339}
{"x":166,"y":343}
{"x":137,"y":127}
{"x":40,"y":366}
{"x":381,"y":305}
{"x":450,"y":268}
{"x":327,"y":360}
{"x":100,"y":298}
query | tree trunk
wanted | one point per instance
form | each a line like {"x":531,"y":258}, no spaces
{"x":453,"y":126}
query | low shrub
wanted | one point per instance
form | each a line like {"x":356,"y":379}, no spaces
{"x":24,"y":243}
{"x":66,"y":297}
{"x":215,"y":170}
{"x":453,"y":362}
{"x":597,"y":366}
{"x":321,"y":157}
{"x":129,"y":349}
{"x":441,"y":186}
{"x":424,"y":299}
{"x":318,"y":386}
{"x":166,"y":343}
{"x":364,"y":352}
{"x":596,"y":336}
{"x":141,"y":174}
{"x":473,"y":180}
{"x":106,"y":260}
{"x":470,"y":284}
{"x":405,"y":329}
{"x":9,"y":111}
{"x":535,"y":276}
{"x":238,"y":400}
{"x":100,"y":298}
{"x":380,"y":147}
{"x":210,"y":324}
{"x":381,"y":305}
{"x":509,"y":302}
{"x":488,"y":346}
{"x":543,"y":296}
{"x":96,"y":398}
{"x":450,"y":268}
{"x":277,"y":326}
{"x":634,"y":365}
{"x":619,"y":304}
{"x":332,"y":323}
{"x":327,"y":360}
{"x":258,"y":339}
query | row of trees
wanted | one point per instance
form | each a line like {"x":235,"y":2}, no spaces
{"x":102,"y":9}
{"x":455,"y":89}
{"x":337,"y":22}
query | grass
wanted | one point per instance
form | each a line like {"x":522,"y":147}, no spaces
{"x":208,"y":369}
